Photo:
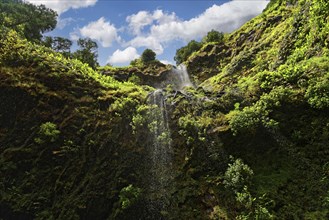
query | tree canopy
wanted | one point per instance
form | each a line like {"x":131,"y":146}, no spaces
{"x":213,"y":36}
{"x":29,"y":20}
{"x":87,"y":52}
{"x":59,"y":44}
{"x":183,"y":53}
{"x":148,"y":55}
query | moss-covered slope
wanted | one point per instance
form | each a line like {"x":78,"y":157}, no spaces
{"x":270,"y":78}
{"x":66,"y":144}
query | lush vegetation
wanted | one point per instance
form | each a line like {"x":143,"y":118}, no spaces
{"x":250,"y":142}
{"x":184,"y":53}
{"x":59,"y":44}
{"x":27,"y":19}
{"x":87,"y":52}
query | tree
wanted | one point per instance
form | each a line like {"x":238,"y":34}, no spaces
{"x":48,"y":41}
{"x":59,"y":44}
{"x":183,"y":53}
{"x":62,"y":45}
{"x":148,"y":55}
{"x":29,"y":20}
{"x":213,"y":36}
{"x":87,"y":52}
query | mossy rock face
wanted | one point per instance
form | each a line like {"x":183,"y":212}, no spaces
{"x":151,"y":74}
{"x":204,"y":64}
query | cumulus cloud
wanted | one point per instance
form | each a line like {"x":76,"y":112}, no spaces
{"x":164,"y":27}
{"x":61,"y":6}
{"x":144,"y":18}
{"x":100,"y":30}
{"x":225,"y":18}
{"x":147,"y":41}
{"x":139,"y":20}
{"x":123,"y":56}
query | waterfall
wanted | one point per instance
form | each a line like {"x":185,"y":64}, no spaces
{"x":160,"y":154}
{"x":183,"y":77}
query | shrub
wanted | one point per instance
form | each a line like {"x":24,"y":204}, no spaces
{"x":47,"y":133}
{"x":213,"y":36}
{"x":237,"y":175}
{"x":128,"y":196}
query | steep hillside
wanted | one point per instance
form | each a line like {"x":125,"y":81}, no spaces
{"x":271,"y":79}
{"x":66,"y":143}
{"x":249,"y":142}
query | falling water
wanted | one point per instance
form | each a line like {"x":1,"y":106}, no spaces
{"x":160,"y":153}
{"x":160,"y":177}
{"x":183,"y":77}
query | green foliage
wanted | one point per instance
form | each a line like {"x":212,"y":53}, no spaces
{"x":135,"y":79}
{"x":69,"y":147}
{"x":128,"y":196}
{"x":122,"y":104}
{"x":142,"y":118}
{"x":137,"y":62}
{"x":317,"y":92}
{"x":253,"y":208}
{"x":59,"y":44}
{"x":87,"y":52}
{"x":193,"y":46}
{"x":183,"y":53}
{"x":147,"y":56}
{"x":238,"y":175}
{"x":238,"y":178}
{"x":27,"y":19}
{"x":213,"y":36}
{"x":47,"y":133}
{"x":17,"y":52}
{"x":251,"y":117}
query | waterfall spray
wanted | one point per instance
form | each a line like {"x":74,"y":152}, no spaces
{"x":159,"y":165}
{"x":183,"y":77}
{"x":160,"y":154}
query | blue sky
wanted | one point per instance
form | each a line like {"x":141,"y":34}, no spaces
{"x":124,"y":29}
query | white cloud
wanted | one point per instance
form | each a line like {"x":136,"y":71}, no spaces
{"x":167,"y":62}
{"x":162,"y":18}
{"x":123,"y":56}
{"x":164,"y":27}
{"x":100,"y":30}
{"x":61,"y":6}
{"x":139,"y":20}
{"x":144,"y":18}
{"x":74,"y":35}
{"x":149,"y":42}
{"x":225,"y":18}
{"x":63,"y":22}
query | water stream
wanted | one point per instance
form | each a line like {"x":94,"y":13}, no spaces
{"x":160,"y":154}
{"x":160,"y":179}
{"x":183,"y":77}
